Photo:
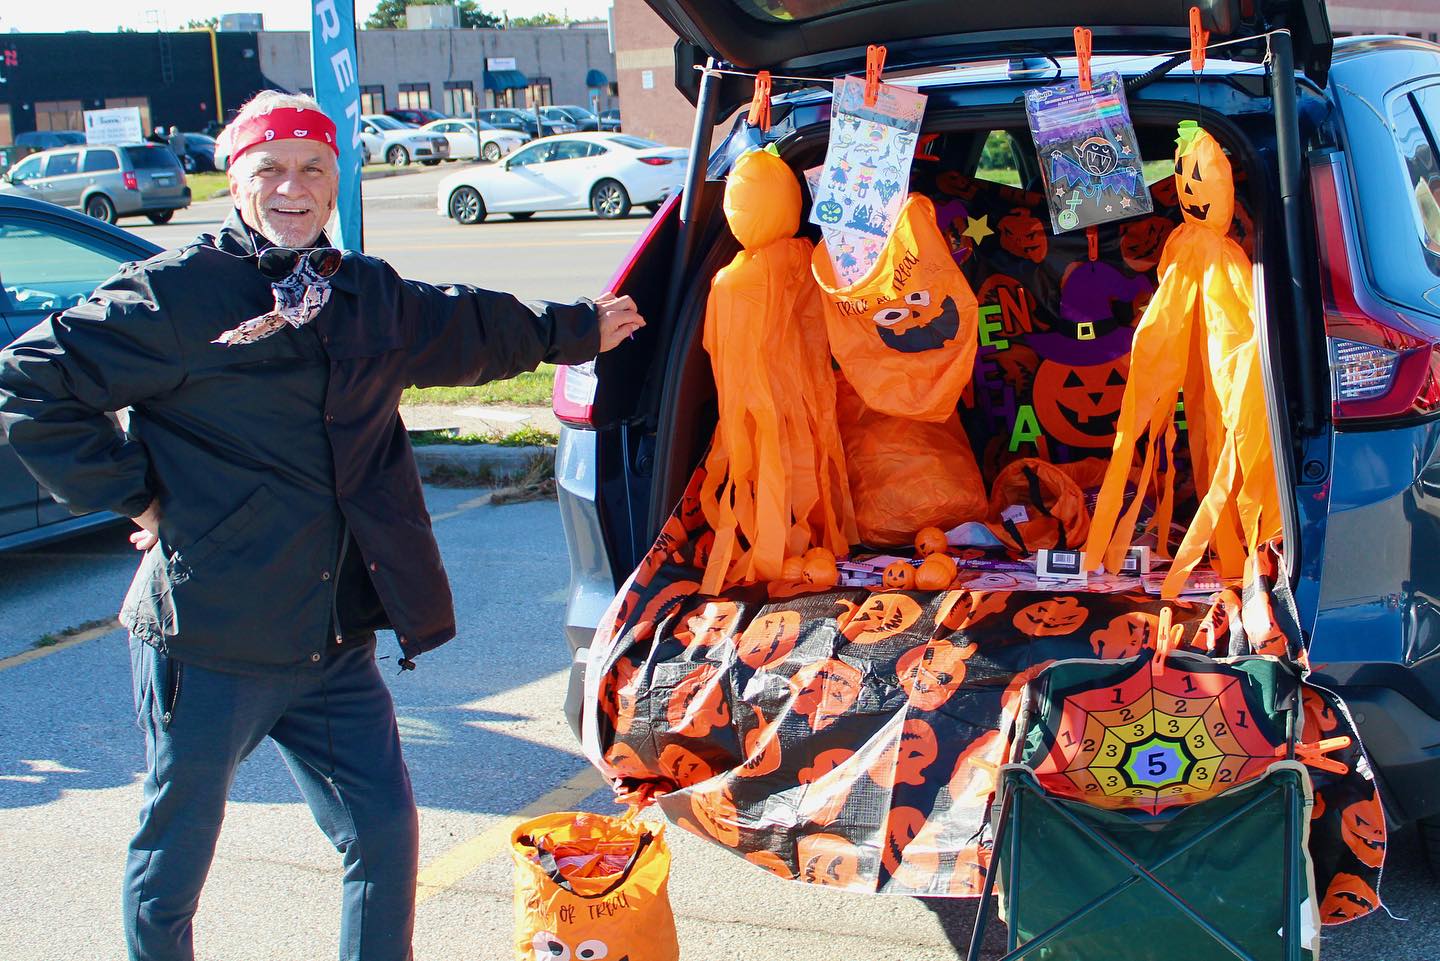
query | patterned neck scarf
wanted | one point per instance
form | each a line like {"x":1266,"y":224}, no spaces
{"x":298,"y":298}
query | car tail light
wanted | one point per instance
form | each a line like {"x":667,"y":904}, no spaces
{"x":130,"y":182}
{"x":1382,"y":365}
{"x":656,"y":161}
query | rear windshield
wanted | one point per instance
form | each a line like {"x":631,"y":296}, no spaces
{"x":151,"y":158}
{"x":635,"y":143}
{"x":800,"y":9}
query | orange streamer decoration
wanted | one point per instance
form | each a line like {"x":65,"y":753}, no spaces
{"x":775,"y":481}
{"x":1205,"y":300}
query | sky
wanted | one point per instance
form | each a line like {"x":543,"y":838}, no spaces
{"x":107,"y":15}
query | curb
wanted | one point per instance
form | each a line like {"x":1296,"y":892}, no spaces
{"x":487,"y":462}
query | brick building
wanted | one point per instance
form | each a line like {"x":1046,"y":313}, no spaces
{"x":650,"y":106}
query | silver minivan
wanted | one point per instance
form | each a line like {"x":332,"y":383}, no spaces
{"x":105,"y":181}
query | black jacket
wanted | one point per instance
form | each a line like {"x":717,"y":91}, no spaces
{"x":263,"y":455}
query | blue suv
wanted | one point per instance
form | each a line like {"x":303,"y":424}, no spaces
{"x":1336,"y":145}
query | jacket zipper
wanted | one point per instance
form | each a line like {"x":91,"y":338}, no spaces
{"x":335,"y":592}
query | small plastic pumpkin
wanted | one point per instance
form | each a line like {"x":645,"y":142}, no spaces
{"x":899,"y":576}
{"x":936,"y":573}
{"x":793,"y":569}
{"x":820,"y":572}
{"x":930,"y":540}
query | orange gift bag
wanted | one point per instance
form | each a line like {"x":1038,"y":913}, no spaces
{"x":905,"y":333}
{"x":589,"y":887}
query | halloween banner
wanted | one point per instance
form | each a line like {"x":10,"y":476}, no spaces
{"x":1089,"y":157}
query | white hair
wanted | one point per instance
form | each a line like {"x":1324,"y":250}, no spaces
{"x":262,"y":103}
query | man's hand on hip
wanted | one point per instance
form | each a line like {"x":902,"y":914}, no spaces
{"x":618,"y":319}
{"x":149,"y":523}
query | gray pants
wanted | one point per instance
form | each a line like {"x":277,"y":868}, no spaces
{"x":334,"y":725}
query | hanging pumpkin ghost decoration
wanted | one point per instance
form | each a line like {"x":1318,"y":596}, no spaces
{"x":775,"y":482}
{"x":1198,"y":335}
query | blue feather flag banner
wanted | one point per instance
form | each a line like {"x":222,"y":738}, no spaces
{"x":1089,"y":157}
{"x":335,"y":71}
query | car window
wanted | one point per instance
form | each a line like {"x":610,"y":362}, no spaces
{"x":1414,"y":117}
{"x":538,"y":153}
{"x":27,"y":169}
{"x":65,"y":162}
{"x":43,"y":268}
{"x":98,"y":160}
{"x":635,"y":143}
{"x":388,"y":123}
{"x":151,"y":158}
{"x":571,"y":150}
{"x":997,"y":160}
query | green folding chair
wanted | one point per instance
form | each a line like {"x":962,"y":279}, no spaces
{"x":1153,"y":809}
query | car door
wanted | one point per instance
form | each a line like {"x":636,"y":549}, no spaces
{"x":523,"y":181}
{"x":573,"y":169}
{"x":26,"y":176}
{"x":64,"y":183}
{"x":46,"y":264}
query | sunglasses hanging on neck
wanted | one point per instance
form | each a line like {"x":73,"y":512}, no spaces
{"x":277,"y":263}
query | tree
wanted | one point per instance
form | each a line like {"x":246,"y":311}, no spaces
{"x":540,"y":20}
{"x":208,"y":24}
{"x":390,"y":14}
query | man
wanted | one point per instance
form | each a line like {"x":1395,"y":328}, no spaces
{"x":278,"y":506}
{"x":176,"y":140}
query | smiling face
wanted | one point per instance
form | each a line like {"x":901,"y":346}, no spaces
{"x":1205,"y":184}
{"x":286,"y":190}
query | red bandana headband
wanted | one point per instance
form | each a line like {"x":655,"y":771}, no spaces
{"x":282,"y":123}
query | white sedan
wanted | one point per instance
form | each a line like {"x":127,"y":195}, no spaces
{"x":604,"y":172}
{"x":494,"y":143}
{"x":387,"y":139}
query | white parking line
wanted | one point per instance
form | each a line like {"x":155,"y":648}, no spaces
{"x":610,"y":233}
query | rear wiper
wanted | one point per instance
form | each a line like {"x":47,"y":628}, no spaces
{"x":1145,"y":79}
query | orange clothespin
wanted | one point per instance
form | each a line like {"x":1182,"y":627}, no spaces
{"x":1199,"y":39}
{"x":1168,"y":638}
{"x":1092,"y":236}
{"x":874,"y":67}
{"x":760,"y":102}
{"x":1316,"y":755}
{"x":922,"y":149}
{"x":1083,"y":48}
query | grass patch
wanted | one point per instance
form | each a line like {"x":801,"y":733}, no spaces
{"x":51,"y":639}
{"x":531,"y":389}
{"x":524,"y":437}
{"x":204,"y":185}
{"x":537,"y":483}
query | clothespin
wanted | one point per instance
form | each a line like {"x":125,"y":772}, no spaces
{"x":874,"y":67}
{"x":922,"y":149}
{"x":1315,"y":755}
{"x":760,"y":102}
{"x":1168,"y":637}
{"x":1199,"y":39}
{"x":1092,"y":236}
{"x":1083,"y":48}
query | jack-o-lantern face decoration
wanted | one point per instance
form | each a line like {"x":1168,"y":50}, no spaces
{"x":1319,"y":715}
{"x":1017,"y":368}
{"x":713,"y":623}
{"x":698,"y":705}
{"x":684,"y":766}
{"x":617,"y":695}
{"x":762,"y":747}
{"x":704,"y":545}
{"x":1127,"y":635}
{"x":828,"y":860}
{"x":913,"y":324}
{"x":931,"y":673}
{"x":910,"y":854}
{"x":662,"y":605}
{"x":971,"y":867}
{"x":1203,"y":180}
{"x":1023,"y":235}
{"x":828,"y":783}
{"x":956,"y":184}
{"x":878,"y":618}
{"x":626,"y":762}
{"x":1347,"y":898}
{"x":769,"y":639}
{"x":1078,"y":406}
{"x":976,"y":770}
{"x":826,"y":690}
{"x":961,"y":609}
{"x":1363,"y":826}
{"x":716,"y":815}
{"x":771,"y":862}
{"x":898,"y":576}
{"x":905,"y":759}
{"x":1019,"y":311}
{"x":1142,"y":240}
{"x":1053,"y":617}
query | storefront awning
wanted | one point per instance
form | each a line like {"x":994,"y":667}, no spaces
{"x":596,"y":78}
{"x":505,"y":80}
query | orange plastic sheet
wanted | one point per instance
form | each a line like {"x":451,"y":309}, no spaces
{"x":1198,"y":336}
{"x":775,"y":480}
{"x":905,"y":333}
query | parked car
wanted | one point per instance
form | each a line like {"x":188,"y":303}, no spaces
{"x":492,"y":144}
{"x":50,"y":259}
{"x":610,"y":120}
{"x":525,"y":121}
{"x":199,"y":155}
{"x":415,"y":117}
{"x":33,"y":141}
{"x":603,"y":172}
{"x":582,"y":118}
{"x":1347,"y":253}
{"x":385,"y":138}
{"x":105,"y":181}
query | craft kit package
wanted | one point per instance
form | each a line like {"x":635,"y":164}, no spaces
{"x":1089,"y":157}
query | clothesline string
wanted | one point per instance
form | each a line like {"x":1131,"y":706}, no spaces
{"x":1112,"y":62}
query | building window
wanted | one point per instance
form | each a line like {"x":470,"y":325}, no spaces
{"x":539,"y":93}
{"x":372,"y":99}
{"x":59,"y":115}
{"x":141,"y":102}
{"x":7,"y":130}
{"x":414,"y":96}
{"x":459,"y":97}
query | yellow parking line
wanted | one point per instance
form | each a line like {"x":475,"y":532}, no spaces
{"x":458,"y":862}
{"x":34,"y":654}
{"x":462,"y":507}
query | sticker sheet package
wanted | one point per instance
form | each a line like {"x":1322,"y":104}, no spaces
{"x":1089,"y":158}
{"x":866,"y":174}
{"x":852,"y":254}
